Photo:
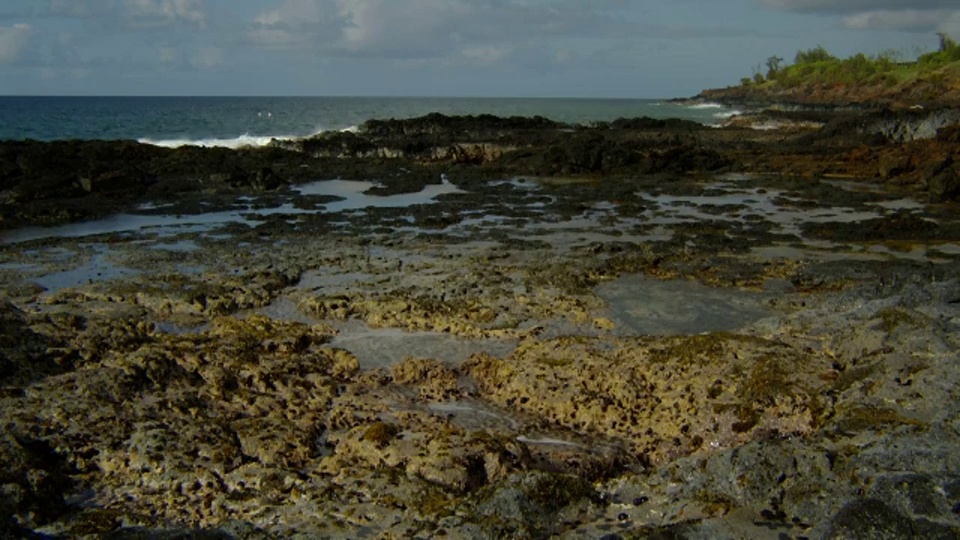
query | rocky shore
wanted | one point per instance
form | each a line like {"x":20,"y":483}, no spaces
{"x":487,"y":328}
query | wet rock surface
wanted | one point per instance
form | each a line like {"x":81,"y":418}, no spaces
{"x":65,"y":181}
{"x":631,"y":354}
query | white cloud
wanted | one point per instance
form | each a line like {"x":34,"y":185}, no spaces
{"x":562,"y":56}
{"x":168,"y":55}
{"x":950,"y":25}
{"x":905,"y":15}
{"x":166,"y":11}
{"x":490,"y":54}
{"x":297,"y":24}
{"x":413,"y":27}
{"x":857,"y":6}
{"x":298,"y":11}
{"x":74,"y":8}
{"x":909,"y":19}
{"x":207,"y":58}
{"x":472,"y":31}
{"x":126,"y":34}
{"x":137,"y":13}
{"x":13,"y":42}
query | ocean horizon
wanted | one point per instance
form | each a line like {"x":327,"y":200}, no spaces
{"x":237,"y":121}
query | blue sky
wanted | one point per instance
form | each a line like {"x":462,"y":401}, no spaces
{"x":549,"y":48}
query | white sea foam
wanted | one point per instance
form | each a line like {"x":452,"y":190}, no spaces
{"x":707,"y":105}
{"x":728,"y":114}
{"x":243,"y":141}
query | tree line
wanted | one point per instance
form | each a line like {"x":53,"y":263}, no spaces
{"x":820,"y":66}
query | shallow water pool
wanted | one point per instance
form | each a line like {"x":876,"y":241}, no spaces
{"x":643,"y":306}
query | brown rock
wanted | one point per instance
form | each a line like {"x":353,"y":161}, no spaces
{"x":944,"y":186}
{"x":436,"y":381}
{"x":894,"y":164}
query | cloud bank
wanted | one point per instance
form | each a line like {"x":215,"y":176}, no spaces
{"x":430,"y":29}
{"x":902,"y":15}
{"x":13,"y":42}
{"x":137,"y":13}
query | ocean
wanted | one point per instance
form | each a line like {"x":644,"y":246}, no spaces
{"x":253,"y":121}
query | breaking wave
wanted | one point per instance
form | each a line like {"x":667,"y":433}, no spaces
{"x":243,"y":141}
{"x":728,"y":114}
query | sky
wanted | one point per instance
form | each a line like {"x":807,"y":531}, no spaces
{"x":495,"y":48}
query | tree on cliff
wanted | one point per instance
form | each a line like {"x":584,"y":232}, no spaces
{"x":946,"y":42}
{"x":773,"y":66}
{"x":818,"y":66}
{"x":810,"y":56}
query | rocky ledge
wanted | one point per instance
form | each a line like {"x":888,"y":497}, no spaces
{"x":66,"y":181}
{"x":632,"y":338}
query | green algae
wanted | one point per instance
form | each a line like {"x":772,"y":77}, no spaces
{"x":555,"y":491}
{"x":768,"y":380}
{"x":529,"y":502}
{"x":698,"y":349}
{"x":892,"y":318}
{"x":861,"y":418}
{"x":851,"y":376}
{"x":97,"y":521}
{"x":714,"y":504}
{"x":702,"y":349}
{"x":381,"y":433}
{"x":435,"y":502}
{"x":554,"y":362}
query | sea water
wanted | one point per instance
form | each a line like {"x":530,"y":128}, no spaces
{"x":254,"y":121}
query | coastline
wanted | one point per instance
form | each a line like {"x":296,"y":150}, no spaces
{"x":655,"y":328}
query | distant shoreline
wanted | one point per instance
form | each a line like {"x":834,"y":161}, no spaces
{"x":242,"y":119}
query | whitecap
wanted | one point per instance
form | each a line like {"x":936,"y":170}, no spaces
{"x":706,"y":105}
{"x":728,"y":114}
{"x":243,"y":141}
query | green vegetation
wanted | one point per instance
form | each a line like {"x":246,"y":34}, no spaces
{"x":818,"y":66}
{"x":860,"y":418}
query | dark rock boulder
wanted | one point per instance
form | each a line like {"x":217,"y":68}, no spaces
{"x":901,"y":225}
{"x":915,"y":495}
{"x":32,"y":170}
{"x":688,"y":158}
{"x":594,"y":152}
{"x":23,"y":353}
{"x":33,"y":479}
{"x":646,"y":123}
{"x":529,"y":503}
{"x":902,"y":126}
{"x":875,"y":519}
{"x":60,"y":181}
{"x":949,"y":133}
{"x":339,"y":144}
{"x":943,"y":180}
{"x":479,"y":126}
{"x":869,"y":519}
{"x":893,"y":164}
{"x":266,"y":180}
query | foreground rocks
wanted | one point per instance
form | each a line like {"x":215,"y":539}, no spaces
{"x":211,"y":390}
{"x":836,"y":417}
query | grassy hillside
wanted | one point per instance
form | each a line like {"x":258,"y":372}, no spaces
{"x":818,"y":77}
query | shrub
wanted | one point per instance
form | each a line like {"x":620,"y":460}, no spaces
{"x":820,"y":67}
{"x":810,"y":56}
